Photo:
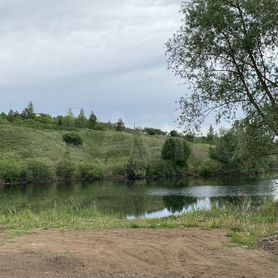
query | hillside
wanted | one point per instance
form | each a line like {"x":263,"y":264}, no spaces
{"x":110,"y":149}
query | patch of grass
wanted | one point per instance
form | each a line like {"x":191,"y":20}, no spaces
{"x":245,"y":227}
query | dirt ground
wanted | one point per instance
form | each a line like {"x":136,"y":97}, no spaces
{"x":120,"y":253}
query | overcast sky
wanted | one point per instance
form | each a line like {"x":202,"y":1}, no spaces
{"x":106,"y":56}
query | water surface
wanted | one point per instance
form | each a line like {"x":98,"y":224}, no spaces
{"x":143,"y":199}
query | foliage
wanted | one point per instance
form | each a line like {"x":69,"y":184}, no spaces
{"x":28,"y":112}
{"x":210,"y":135}
{"x":73,"y":138}
{"x":227,"y":50}
{"x":135,"y":170}
{"x":174,"y":133}
{"x":92,"y":120}
{"x":81,"y":120}
{"x":210,"y":168}
{"x":120,"y":125}
{"x":154,"y":131}
{"x":65,"y":170}
{"x":160,"y":169}
{"x":68,"y":120}
{"x":89,"y":172}
{"x":244,"y":148}
{"x":176,"y":150}
{"x":16,"y":172}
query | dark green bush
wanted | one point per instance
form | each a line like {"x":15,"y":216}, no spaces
{"x":12,"y":171}
{"x":37,"y":172}
{"x":176,"y":150}
{"x":90,"y":172}
{"x":65,"y":170}
{"x":160,"y":169}
{"x":24,"y":172}
{"x":72,"y":138}
{"x":210,"y":168}
{"x":135,"y":170}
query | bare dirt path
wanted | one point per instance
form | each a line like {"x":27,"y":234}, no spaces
{"x":178,"y":252}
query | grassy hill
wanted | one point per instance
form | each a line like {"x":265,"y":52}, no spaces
{"x":109,"y":149}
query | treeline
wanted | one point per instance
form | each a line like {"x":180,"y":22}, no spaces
{"x":68,"y":122}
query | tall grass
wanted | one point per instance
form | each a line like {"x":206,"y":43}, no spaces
{"x":244,"y":226}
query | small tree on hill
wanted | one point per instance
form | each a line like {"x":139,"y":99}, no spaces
{"x":120,"y":125}
{"x":210,"y":135}
{"x":176,"y":150}
{"x":28,"y":112}
{"x":93,"y":120}
{"x":81,"y":120}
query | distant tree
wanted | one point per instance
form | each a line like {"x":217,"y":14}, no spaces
{"x":10,"y":115}
{"x":190,"y":137}
{"x":28,"y":112}
{"x":210,"y":135}
{"x":154,"y":131}
{"x":176,"y":150}
{"x":68,"y":120}
{"x":81,"y":120}
{"x":174,"y":133}
{"x":120,"y":126}
{"x":92,"y":120}
{"x":59,"y":120}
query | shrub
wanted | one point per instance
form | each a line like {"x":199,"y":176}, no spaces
{"x":90,"y":172}
{"x":209,"y":168}
{"x":72,"y":138}
{"x":65,"y":170}
{"x":160,"y":169}
{"x":135,"y":170}
{"x":37,"y":172}
{"x":12,"y":172}
{"x":176,"y":150}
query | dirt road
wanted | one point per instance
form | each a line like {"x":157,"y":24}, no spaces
{"x":179,"y":252}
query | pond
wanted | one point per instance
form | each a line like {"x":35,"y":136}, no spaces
{"x":143,"y":199}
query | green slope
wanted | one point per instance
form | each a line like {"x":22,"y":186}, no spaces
{"x":111,"y":149}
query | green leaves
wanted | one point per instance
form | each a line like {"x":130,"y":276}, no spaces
{"x":223,"y":50}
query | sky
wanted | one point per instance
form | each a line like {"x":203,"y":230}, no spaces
{"x":104,"y":56}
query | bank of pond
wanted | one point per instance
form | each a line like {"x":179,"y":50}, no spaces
{"x":247,"y":208}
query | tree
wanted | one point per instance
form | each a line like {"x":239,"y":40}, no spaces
{"x":92,"y":120}
{"x":243,"y":149}
{"x":210,"y":135}
{"x":120,"y":125}
{"x":174,"y":133}
{"x":81,"y":120}
{"x":68,"y":120}
{"x":227,"y":50}
{"x":28,"y":112}
{"x":175,"y":150}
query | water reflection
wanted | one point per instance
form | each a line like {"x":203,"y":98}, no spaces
{"x":143,"y":199}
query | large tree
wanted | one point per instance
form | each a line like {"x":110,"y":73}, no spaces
{"x":228,"y":52}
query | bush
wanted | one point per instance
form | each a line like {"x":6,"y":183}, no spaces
{"x":72,"y":138}
{"x":65,"y":170}
{"x":12,"y":172}
{"x":24,"y":172}
{"x":90,"y":172}
{"x":160,"y":169}
{"x":210,"y":168}
{"x":176,"y":150}
{"x":135,"y":170}
{"x":37,"y":172}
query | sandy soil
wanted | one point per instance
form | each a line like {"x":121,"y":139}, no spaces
{"x":179,"y":252}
